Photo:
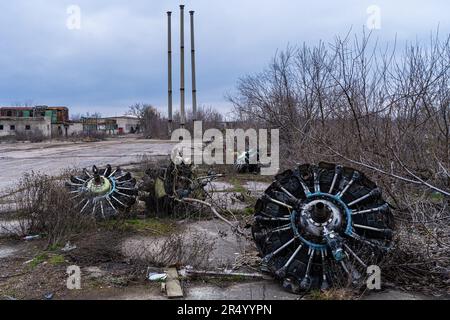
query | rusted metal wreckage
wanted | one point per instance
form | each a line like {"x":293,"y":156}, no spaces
{"x":166,"y":185}
{"x":315,"y":225}
{"x":319,"y":224}
{"x":103,"y":192}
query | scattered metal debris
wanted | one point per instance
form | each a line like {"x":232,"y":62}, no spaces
{"x":189,"y":272}
{"x":157,"y":276}
{"x":68,"y":247}
{"x":167,"y":184}
{"x":172,"y":285}
{"x":103,"y":192}
{"x":313,"y":223}
{"x":248,"y":162}
{"x":48,"y":296}
{"x":33,"y":237}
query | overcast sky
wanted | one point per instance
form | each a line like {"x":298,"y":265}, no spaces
{"x":119,"y":55}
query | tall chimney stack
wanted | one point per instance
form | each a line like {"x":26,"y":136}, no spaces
{"x":169,"y":42}
{"x":194,"y":81}
{"x":182,"y":98}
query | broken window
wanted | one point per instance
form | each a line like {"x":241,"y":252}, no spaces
{"x":1,"y":127}
{"x":12,"y":127}
{"x":27,"y":127}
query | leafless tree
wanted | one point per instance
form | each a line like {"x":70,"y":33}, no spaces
{"x":388,"y":108}
{"x":375,"y":107}
{"x":210,"y":117}
{"x":152,"y":123}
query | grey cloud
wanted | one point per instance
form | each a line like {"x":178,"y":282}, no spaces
{"x":119,"y":55}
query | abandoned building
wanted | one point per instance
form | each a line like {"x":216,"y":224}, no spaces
{"x":125,"y":124}
{"x":53,"y":122}
{"x":44,"y":120}
{"x":112,"y":125}
{"x":10,"y":126}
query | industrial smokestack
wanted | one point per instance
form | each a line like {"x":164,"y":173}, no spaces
{"x":182,"y":98}
{"x":169,"y":43}
{"x":194,"y":82}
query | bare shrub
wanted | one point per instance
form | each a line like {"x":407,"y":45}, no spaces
{"x":98,"y":247}
{"x":210,"y":117}
{"x":381,"y":107}
{"x":420,"y":258}
{"x":151,"y":162}
{"x":152,"y":123}
{"x":33,"y":136}
{"x":43,"y":206}
{"x":175,"y":250}
{"x":89,"y":136}
{"x":383,"y":111}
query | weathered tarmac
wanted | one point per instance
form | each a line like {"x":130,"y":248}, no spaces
{"x":52,"y":157}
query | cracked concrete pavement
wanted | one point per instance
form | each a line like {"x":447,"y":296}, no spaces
{"x":52,"y":157}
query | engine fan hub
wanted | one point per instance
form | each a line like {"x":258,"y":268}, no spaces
{"x":319,"y":224}
{"x":319,"y":212}
{"x":99,"y":187}
{"x":103,"y":192}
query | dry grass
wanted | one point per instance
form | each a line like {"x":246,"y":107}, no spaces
{"x":97,"y":247}
{"x":173,"y":250}
{"x":332,"y":294}
{"x":43,"y":206}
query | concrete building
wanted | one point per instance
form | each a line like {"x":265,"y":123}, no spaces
{"x":125,"y":124}
{"x":51,"y":121}
{"x":75,"y":128}
{"x":102,"y":125}
{"x":11,"y":126}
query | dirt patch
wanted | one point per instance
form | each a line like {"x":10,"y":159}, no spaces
{"x":256,"y":188}
{"x":228,"y":246}
{"x":6,"y":251}
{"x":218,"y":186}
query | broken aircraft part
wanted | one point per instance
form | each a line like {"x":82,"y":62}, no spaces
{"x":316,"y":225}
{"x":168,"y":183}
{"x":248,"y":162}
{"x":103,"y":192}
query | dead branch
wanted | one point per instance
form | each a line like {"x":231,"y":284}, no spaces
{"x":235,"y":228}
